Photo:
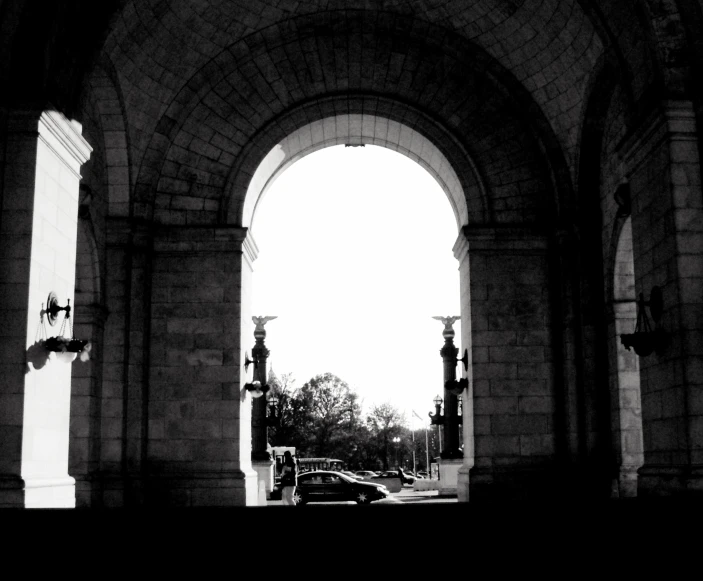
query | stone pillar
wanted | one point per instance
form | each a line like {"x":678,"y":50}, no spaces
{"x":511,"y":371}
{"x":126,"y":351}
{"x":662,"y":162}
{"x":39,"y":175}
{"x":199,"y":448}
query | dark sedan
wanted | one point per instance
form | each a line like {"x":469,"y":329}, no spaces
{"x":323,"y":486}
{"x":406,"y":479}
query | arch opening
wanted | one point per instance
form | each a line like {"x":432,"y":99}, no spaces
{"x":625,"y":374}
{"x":360,"y":236}
{"x":367,"y":231}
{"x":356,"y":130}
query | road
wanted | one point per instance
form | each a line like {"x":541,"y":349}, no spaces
{"x":407,"y":495}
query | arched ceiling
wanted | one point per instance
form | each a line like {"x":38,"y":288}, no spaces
{"x":548,"y":46}
{"x":389,"y":65}
{"x":175,"y":63}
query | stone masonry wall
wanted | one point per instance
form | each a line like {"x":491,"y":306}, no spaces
{"x":667,"y":227}
{"x":513,"y":399}
{"x":199,"y":420}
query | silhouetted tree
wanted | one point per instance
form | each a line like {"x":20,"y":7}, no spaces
{"x":385,"y":422}
{"x":332,"y":411}
{"x":289,"y":409}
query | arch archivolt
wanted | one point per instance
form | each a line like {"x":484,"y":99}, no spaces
{"x":253,"y":95}
{"x":107,"y":102}
{"x":357,"y":130}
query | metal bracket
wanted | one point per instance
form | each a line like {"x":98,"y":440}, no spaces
{"x":53,"y":308}
{"x":465,"y":359}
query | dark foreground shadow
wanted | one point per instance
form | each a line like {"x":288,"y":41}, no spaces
{"x":547,"y":529}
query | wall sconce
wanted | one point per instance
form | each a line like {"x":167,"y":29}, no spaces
{"x":254,"y":387}
{"x":53,"y":309}
{"x":645,"y":340}
{"x":437,"y":419}
{"x":457,"y":386}
{"x":60,"y":347}
{"x":272,"y":416}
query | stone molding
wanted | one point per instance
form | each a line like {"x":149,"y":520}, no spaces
{"x":250,"y":249}
{"x":675,"y":121}
{"x":177,"y":239}
{"x":128,"y":231}
{"x":664,"y":480}
{"x":62,"y":135}
{"x":502,"y":239}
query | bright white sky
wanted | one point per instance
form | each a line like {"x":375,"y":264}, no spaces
{"x":355,"y":257}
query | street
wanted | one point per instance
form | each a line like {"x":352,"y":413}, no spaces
{"x":406,"y":495}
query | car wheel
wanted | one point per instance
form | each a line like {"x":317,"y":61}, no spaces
{"x":362,"y":498}
{"x":298,"y":498}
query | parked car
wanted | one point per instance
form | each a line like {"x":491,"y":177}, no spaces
{"x":365,"y":474}
{"x":407,"y":477}
{"x":325,"y":486}
{"x":351,"y":474}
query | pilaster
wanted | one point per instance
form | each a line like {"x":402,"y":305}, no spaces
{"x":40,"y":177}
{"x":663,"y":167}
{"x":199,"y":416}
{"x":509,"y":408}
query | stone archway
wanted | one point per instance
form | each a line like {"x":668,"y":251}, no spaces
{"x":359,"y":129}
{"x":356,"y":130}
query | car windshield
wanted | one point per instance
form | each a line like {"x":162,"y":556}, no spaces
{"x":345,"y":477}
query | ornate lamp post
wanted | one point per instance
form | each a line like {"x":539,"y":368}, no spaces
{"x":272,"y":417}
{"x":452,"y":389}
{"x":451,"y":456}
{"x":437,"y":419}
{"x":259,"y":431}
{"x":396,"y":441}
{"x":260,"y":456}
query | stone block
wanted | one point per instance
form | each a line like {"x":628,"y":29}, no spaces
{"x":193,"y":429}
{"x":508,"y":387}
{"x":538,"y":445}
{"x":496,"y":445}
{"x":495,"y":371}
{"x":500,"y":354}
{"x":522,"y":424}
{"x":536,"y":405}
{"x":495,"y":405}
{"x":534,"y":371}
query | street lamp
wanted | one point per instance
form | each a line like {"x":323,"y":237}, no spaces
{"x":396,"y":441}
{"x":438,"y":418}
{"x":272,"y":416}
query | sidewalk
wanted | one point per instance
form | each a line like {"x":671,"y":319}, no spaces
{"x":407,"y":494}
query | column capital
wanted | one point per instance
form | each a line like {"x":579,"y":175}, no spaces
{"x":206,"y":239}
{"x":515,"y":238}
{"x":122,"y":231}
{"x":60,"y":133}
{"x":674,"y":120}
